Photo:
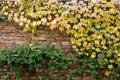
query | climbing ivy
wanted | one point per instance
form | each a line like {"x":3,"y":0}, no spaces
{"x":94,"y":25}
{"x":2,"y":16}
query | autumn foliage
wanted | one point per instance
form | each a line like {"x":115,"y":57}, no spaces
{"x":94,"y":25}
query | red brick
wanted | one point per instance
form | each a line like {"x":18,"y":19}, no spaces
{"x":57,"y":44}
{"x":66,"y":44}
{"x":41,"y":38}
{"x":78,"y":78}
{"x":2,"y":45}
{"x":4,"y":23}
{"x":12,"y":35}
{"x":1,"y":27}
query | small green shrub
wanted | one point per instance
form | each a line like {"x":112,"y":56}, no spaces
{"x":33,"y":57}
{"x":43,"y":78}
{"x":4,"y":76}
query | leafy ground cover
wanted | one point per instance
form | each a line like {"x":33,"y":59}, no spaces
{"x":32,"y":57}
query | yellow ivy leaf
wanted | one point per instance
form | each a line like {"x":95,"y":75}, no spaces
{"x":109,"y":54}
{"x":85,"y":43}
{"x":111,"y":60}
{"x":89,"y":38}
{"x":103,"y":1}
{"x":93,"y":1}
{"x":118,"y":59}
{"x":112,"y":10}
{"x":38,"y":22}
{"x":118,"y":54}
{"x":93,"y":47}
{"x":76,"y":41}
{"x":74,"y":46}
{"x":52,"y":27}
{"x":16,"y":20}
{"x":6,"y":13}
{"x":44,"y":20}
{"x":72,"y":39}
{"x":61,"y":28}
{"x":57,"y":15}
{"x":27,"y":25}
{"x":21,"y":24}
{"x":10,"y":17}
{"x":110,"y":66}
{"x":87,"y":54}
{"x":93,"y":55}
{"x":104,"y":47}
{"x":34,"y":24}
{"x":75,"y":27}
{"x":67,"y":26}
{"x":103,"y":42}
{"x":76,"y":34}
{"x":80,"y":53}
{"x":82,"y":49}
{"x":98,"y":49}
{"x":108,"y":4}
{"x":94,"y":35}
{"x":76,"y":49}
{"x":97,"y":42}
{"x":49,"y":17}
{"x":107,"y":73}
{"x":80,"y":29}
{"x":68,"y":31}
{"x":54,"y":21}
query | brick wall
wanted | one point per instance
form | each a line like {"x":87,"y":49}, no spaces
{"x":11,"y":34}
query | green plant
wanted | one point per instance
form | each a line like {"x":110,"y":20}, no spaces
{"x":69,"y":78}
{"x":5,"y":76}
{"x":97,"y":66}
{"x":33,"y":57}
{"x":93,"y":26}
{"x":43,"y":78}
{"x":2,"y":16}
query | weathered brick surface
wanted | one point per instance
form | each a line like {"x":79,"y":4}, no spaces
{"x":11,"y":34}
